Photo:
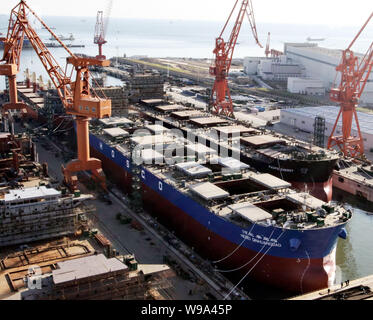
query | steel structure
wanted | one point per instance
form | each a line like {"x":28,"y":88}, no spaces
{"x":77,"y":96}
{"x":221,"y":102}
{"x":354,"y":76}
{"x":100,"y":34}
{"x":319,"y":131}
{"x":268,"y":51}
{"x":101,"y":28}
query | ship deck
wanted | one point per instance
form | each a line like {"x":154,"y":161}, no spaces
{"x":215,"y":183}
{"x":239,"y":137}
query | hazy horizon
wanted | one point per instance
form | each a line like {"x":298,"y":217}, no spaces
{"x":318,"y":12}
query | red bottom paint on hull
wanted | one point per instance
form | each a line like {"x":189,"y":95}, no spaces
{"x":121,"y":177}
{"x":298,"y":276}
{"x":321,"y":190}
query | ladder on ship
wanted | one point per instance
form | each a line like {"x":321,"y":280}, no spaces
{"x":136,"y":201}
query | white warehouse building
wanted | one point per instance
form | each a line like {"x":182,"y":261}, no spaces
{"x":306,"y":86}
{"x":304,"y":119}
{"x":278,"y":69}
{"x":321,"y":63}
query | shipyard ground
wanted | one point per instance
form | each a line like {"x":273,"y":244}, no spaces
{"x":126,"y":239}
{"x":15,"y":263}
{"x":197,"y":71}
{"x":360,"y":289}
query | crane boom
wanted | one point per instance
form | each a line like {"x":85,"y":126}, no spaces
{"x":221,"y":101}
{"x":268,"y":51}
{"x":354,"y":77}
{"x":101,"y":29}
{"x":78,"y":98}
{"x":100,"y":34}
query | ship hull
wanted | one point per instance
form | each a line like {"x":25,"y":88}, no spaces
{"x":320,"y":190}
{"x":259,"y":253}
{"x":315,"y":177}
{"x":293,"y":275}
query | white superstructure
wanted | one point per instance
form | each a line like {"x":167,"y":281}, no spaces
{"x":37,"y":213}
{"x":306,"y":86}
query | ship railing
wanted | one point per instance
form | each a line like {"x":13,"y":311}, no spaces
{"x":246,"y":196}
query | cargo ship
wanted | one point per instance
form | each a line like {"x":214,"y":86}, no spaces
{"x":63,"y":38}
{"x":306,"y":167}
{"x":249,"y":224}
{"x":26,"y":44}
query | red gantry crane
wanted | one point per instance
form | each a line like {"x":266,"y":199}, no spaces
{"x":101,"y":28}
{"x":274,"y":53}
{"x":77,"y":96}
{"x":354,"y":77}
{"x":100,"y":34}
{"x":268,"y":51}
{"x":221,"y":101}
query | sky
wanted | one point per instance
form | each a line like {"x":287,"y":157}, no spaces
{"x":325,"y":12}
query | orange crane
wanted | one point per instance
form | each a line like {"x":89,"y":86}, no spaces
{"x":78,"y":98}
{"x":354,"y":77}
{"x":268,"y":51}
{"x":100,"y":34}
{"x":221,"y":101}
{"x":101,"y":28}
{"x":274,"y":53}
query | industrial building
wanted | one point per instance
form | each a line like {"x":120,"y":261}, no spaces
{"x":38,"y":213}
{"x":99,"y":278}
{"x":304,"y":119}
{"x":306,"y":86}
{"x":278,"y":69}
{"x":320,"y":63}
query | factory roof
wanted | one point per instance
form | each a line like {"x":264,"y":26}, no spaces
{"x":150,"y":155}
{"x":232,"y":164}
{"x":261,"y":140}
{"x":326,"y":51}
{"x":116,"y":132}
{"x":250,"y":212}
{"x":269,"y":181}
{"x":209,"y":121}
{"x":209,"y":191}
{"x":307,"y":199}
{"x":172,"y":107}
{"x":194,"y":169}
{"x":156,"y":128}
{"x":85,"y":268}
{"x":114,"y":121}
{"x":152,"y":101}
{"x":330,"y":114}
{"x":229,"y":130}
{"x":152,"y":140}
{"x":30,"y":193}
{"x":200,"y":149}
{"x":188,"y":114}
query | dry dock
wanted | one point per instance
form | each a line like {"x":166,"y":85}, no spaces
{"x":361,"y":289}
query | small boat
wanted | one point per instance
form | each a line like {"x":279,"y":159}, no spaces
{"x":315,"y":39}
{"x":63,"y":38}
